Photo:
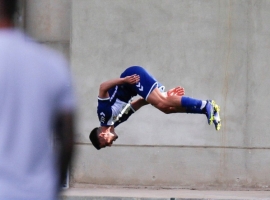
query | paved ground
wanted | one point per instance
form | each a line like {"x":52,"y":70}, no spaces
{"x":108,"y":193}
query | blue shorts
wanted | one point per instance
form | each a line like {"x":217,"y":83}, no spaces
{"x":147,"y":82}
{"x":124,"y":93}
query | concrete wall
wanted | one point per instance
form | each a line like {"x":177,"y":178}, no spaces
{"x":48,"y":21}
{"x":216,"y":49}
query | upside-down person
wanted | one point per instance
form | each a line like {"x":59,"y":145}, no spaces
{"x":116,"y":95}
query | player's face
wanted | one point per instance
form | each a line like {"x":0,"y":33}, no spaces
{"x":107,"y":139}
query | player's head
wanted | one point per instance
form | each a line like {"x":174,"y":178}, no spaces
{"x":94,"y":138}
{"x":102,"y":137}
{"x":8,"y":9}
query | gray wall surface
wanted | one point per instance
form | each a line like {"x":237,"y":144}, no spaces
{"x":215,"y":49}
{"x":48,"y":21}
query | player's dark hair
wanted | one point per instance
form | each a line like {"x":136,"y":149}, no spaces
{"x":94,"y":138}
{"x":8,"y":8}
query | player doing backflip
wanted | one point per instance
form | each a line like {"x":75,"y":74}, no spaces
{"x":115,"y":105}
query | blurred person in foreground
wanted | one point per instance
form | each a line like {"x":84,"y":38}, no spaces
{"x":36,"y":100}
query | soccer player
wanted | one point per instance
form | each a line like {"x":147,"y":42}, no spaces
{"x":115,"y":94}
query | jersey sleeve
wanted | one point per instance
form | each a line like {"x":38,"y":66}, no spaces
{"x":104,"y":112}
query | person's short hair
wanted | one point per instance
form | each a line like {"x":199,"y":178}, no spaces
{"x":94,"y":138}
{"x":8,"y":8}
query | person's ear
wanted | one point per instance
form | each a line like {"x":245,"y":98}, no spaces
{"x":101,"y":135}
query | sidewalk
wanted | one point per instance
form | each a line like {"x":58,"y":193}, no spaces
{"x":117,"y":193}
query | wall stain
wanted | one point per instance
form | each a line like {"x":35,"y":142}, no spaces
{"x":225,"y":89}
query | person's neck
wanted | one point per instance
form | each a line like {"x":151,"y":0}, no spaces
{"x":6,"y":24}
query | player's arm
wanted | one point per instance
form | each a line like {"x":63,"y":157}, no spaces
{"x":138,"y":103}
{"x":105,"y":86}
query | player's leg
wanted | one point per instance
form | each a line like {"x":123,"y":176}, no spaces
{"x":172,"y":104}
{"x":162,"y":101}
{"x":148,"y":89}
{"x":138,"y":103}
{"x":209,"y":107}
{"x":177,"y":91}
{"x":133,"y":107}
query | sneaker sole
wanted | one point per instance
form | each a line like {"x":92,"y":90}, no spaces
{"x":218,"y":124}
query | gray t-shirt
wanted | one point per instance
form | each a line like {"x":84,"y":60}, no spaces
{"x":35,"y":84}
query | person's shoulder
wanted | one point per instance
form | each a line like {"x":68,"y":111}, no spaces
{"x":40,"y":49}
{"x":38,"y":56}
{"x":50,"y":56}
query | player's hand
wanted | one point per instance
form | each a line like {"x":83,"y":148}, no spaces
{"x":177,"y":91}
{"x":132,"y":79}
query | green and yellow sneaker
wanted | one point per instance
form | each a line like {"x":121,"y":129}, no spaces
{"x":209,"y":111}
{"x":217,"y":120}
